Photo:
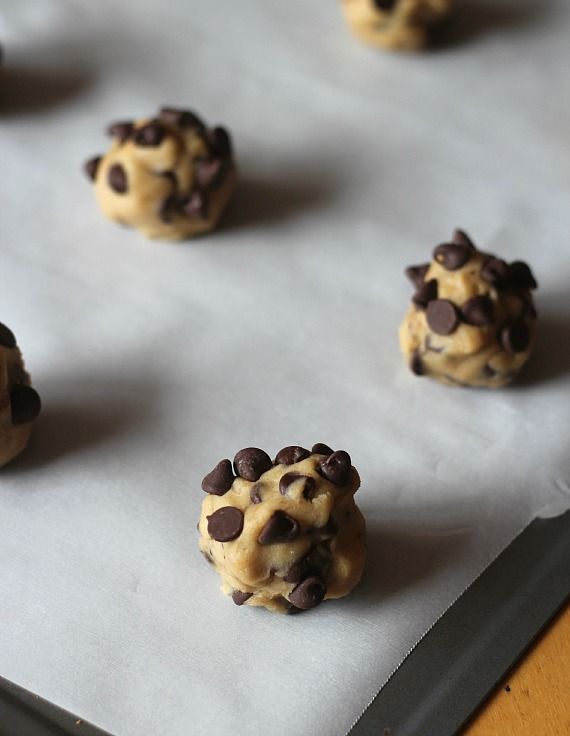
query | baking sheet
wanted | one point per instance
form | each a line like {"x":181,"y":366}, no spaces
{"x":156,"y":360}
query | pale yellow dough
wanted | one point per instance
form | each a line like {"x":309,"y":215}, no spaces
{"x":403,"y":27}
{"x":247,"y":566}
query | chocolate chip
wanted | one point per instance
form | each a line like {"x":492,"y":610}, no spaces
{"x":117,"y":178}
{"x":442,"y":316}
{"x":495,"y":271}
{"x":251,"y":462}
{"x":195,"y":206}
{"x":316,"y":562}
{"x":290,"y":478}
{"x":24,"y":403}
{"x":520,"y":276}
{"x":210,"y":173}
{"x":461,"y":238}
{"x":385,"y":4}
{"x":90,"y":167}
{"x":308,"y":593}
{"x":220,"y":142}
{"x":225,"y":524}
{"x":514,"y":338}
{"x":336,"y":468}
{"x":489,"y":372}
{"x":181,"y":118}
{"x":416,"y":364}
{"x":150,"y":135}
{"x":220,"y":479}
{"x":239,"y":597}
{"x":291,"y":455}
{"x":255,"y":493}
{"x":417,"y":274}
{"x":7,"y":338}
{"x":169,"y":207}
{"x":321,"y":449}
{"x":280,"y":528}
{"x":171,"y":176}
{"x":297,"y":571}
{"x":452,"y":256}
{"x":426,"y":293}
{"x":478,"y":311}
{"x":121,"y":131}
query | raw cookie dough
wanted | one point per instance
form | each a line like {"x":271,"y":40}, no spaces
{"x":286,"y":534}
{"x":472,"y":321}
{"x":401,"y":25}
{"x":170,"y":176}
{"x":19,"y":403}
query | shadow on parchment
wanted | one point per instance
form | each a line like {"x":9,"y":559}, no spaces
{"x":550,"y":359}
{"x":28,"y":90}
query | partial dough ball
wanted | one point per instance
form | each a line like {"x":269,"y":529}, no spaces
{"x":19,"y":403}
{"x":170,"y":176}
{"x":472,"y":321}
{"x":284,"y":534}
{"x":398,"y":25}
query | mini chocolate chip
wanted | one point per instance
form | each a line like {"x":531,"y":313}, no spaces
{"x":426,"y":293}
{"x":280,"y":528}
{"x":121,"y":131}
{"x":385,"y":4}
{"x":239,"y":597}
{"x":251,"y":462}
{"x":308,"y":593}
{"x":416,"y":364}
{"x":478,"y":311}
{"x":150,"y":135}
{"x":255,"y":493}
{"x":514,"y":338}
{"x":225,"y":524}
{"x":336,"y":468}
{"x":321,"y":449}
{"x":90,"y":167}
{"x":291,"y":455}
{"x":7,"y":338}
{"x":495,"y":271}
{"x":24,"y":403}
{"x":220,"y":479}
{"x":195,"y":206}
{"x":520,"y":276}
{"x":442,"y":316}
{"x":452,"y":256}
{"x":220,"y":142}
{"x":290,"y":478}
{"x":210,"y":173}
{"x":117,"y":179}
{"x":182,"y":118}
{"x":461,"y":238}
{"x":417,"y":274}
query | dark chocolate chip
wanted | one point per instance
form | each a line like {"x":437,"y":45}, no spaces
{"x":520,"y":276}
{"x":90,"y":167}
{"x":461,"y":238}
{"x":489,"y":372}
{"x":336,"y":468}
{"x":417,"y":274}
{"x":7,"y":338}
{"x":251,"y":462}
{"x":452,"y":256}
{"x":316,"y":562}
{"x":225,"y":524}
{"x":297,"y":571}
{"x":416,"y":364}
{"x":210,"y":173}
{"x":426,"y":293}
{"x":280,"y":528}
{"x":220,"y":479}
{"x":150,"y":135}
{"x":290,"y":478}
{"x":171,"y":176}
{"x":255,"y":493}
{"x":291,"y":455}
{"x":239,"y":597}
{"x":117,"y":178}
{"x":385,"y":4}
{"x":24,"y":403}
{"x":514,"y":338}
{"x":478,"y":311}
{"x":495,"y":271}
{"x":321,"y":449}
{"x":195,"y":206}
{"x":308,"y":593}
{"x":182,"y":118}
{"x":121,"y":131}
{"x":442,"y":316}
{"x":220,"y":142}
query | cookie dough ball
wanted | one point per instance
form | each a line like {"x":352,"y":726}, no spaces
{"x":400,"y":25}
{"x":170,"y":176}
{"x":19,"y":403}
{"x":472,"y":321}
{"x":284,"y":534}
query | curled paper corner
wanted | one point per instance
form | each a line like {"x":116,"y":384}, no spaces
{"x":559,"y":504}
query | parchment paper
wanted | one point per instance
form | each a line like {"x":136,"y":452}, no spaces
{"x":156,"y":360}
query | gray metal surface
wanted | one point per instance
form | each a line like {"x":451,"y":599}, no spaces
{"x":468,"y":651}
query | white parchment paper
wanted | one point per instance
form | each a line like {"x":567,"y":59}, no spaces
{"x":156,"y":360}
